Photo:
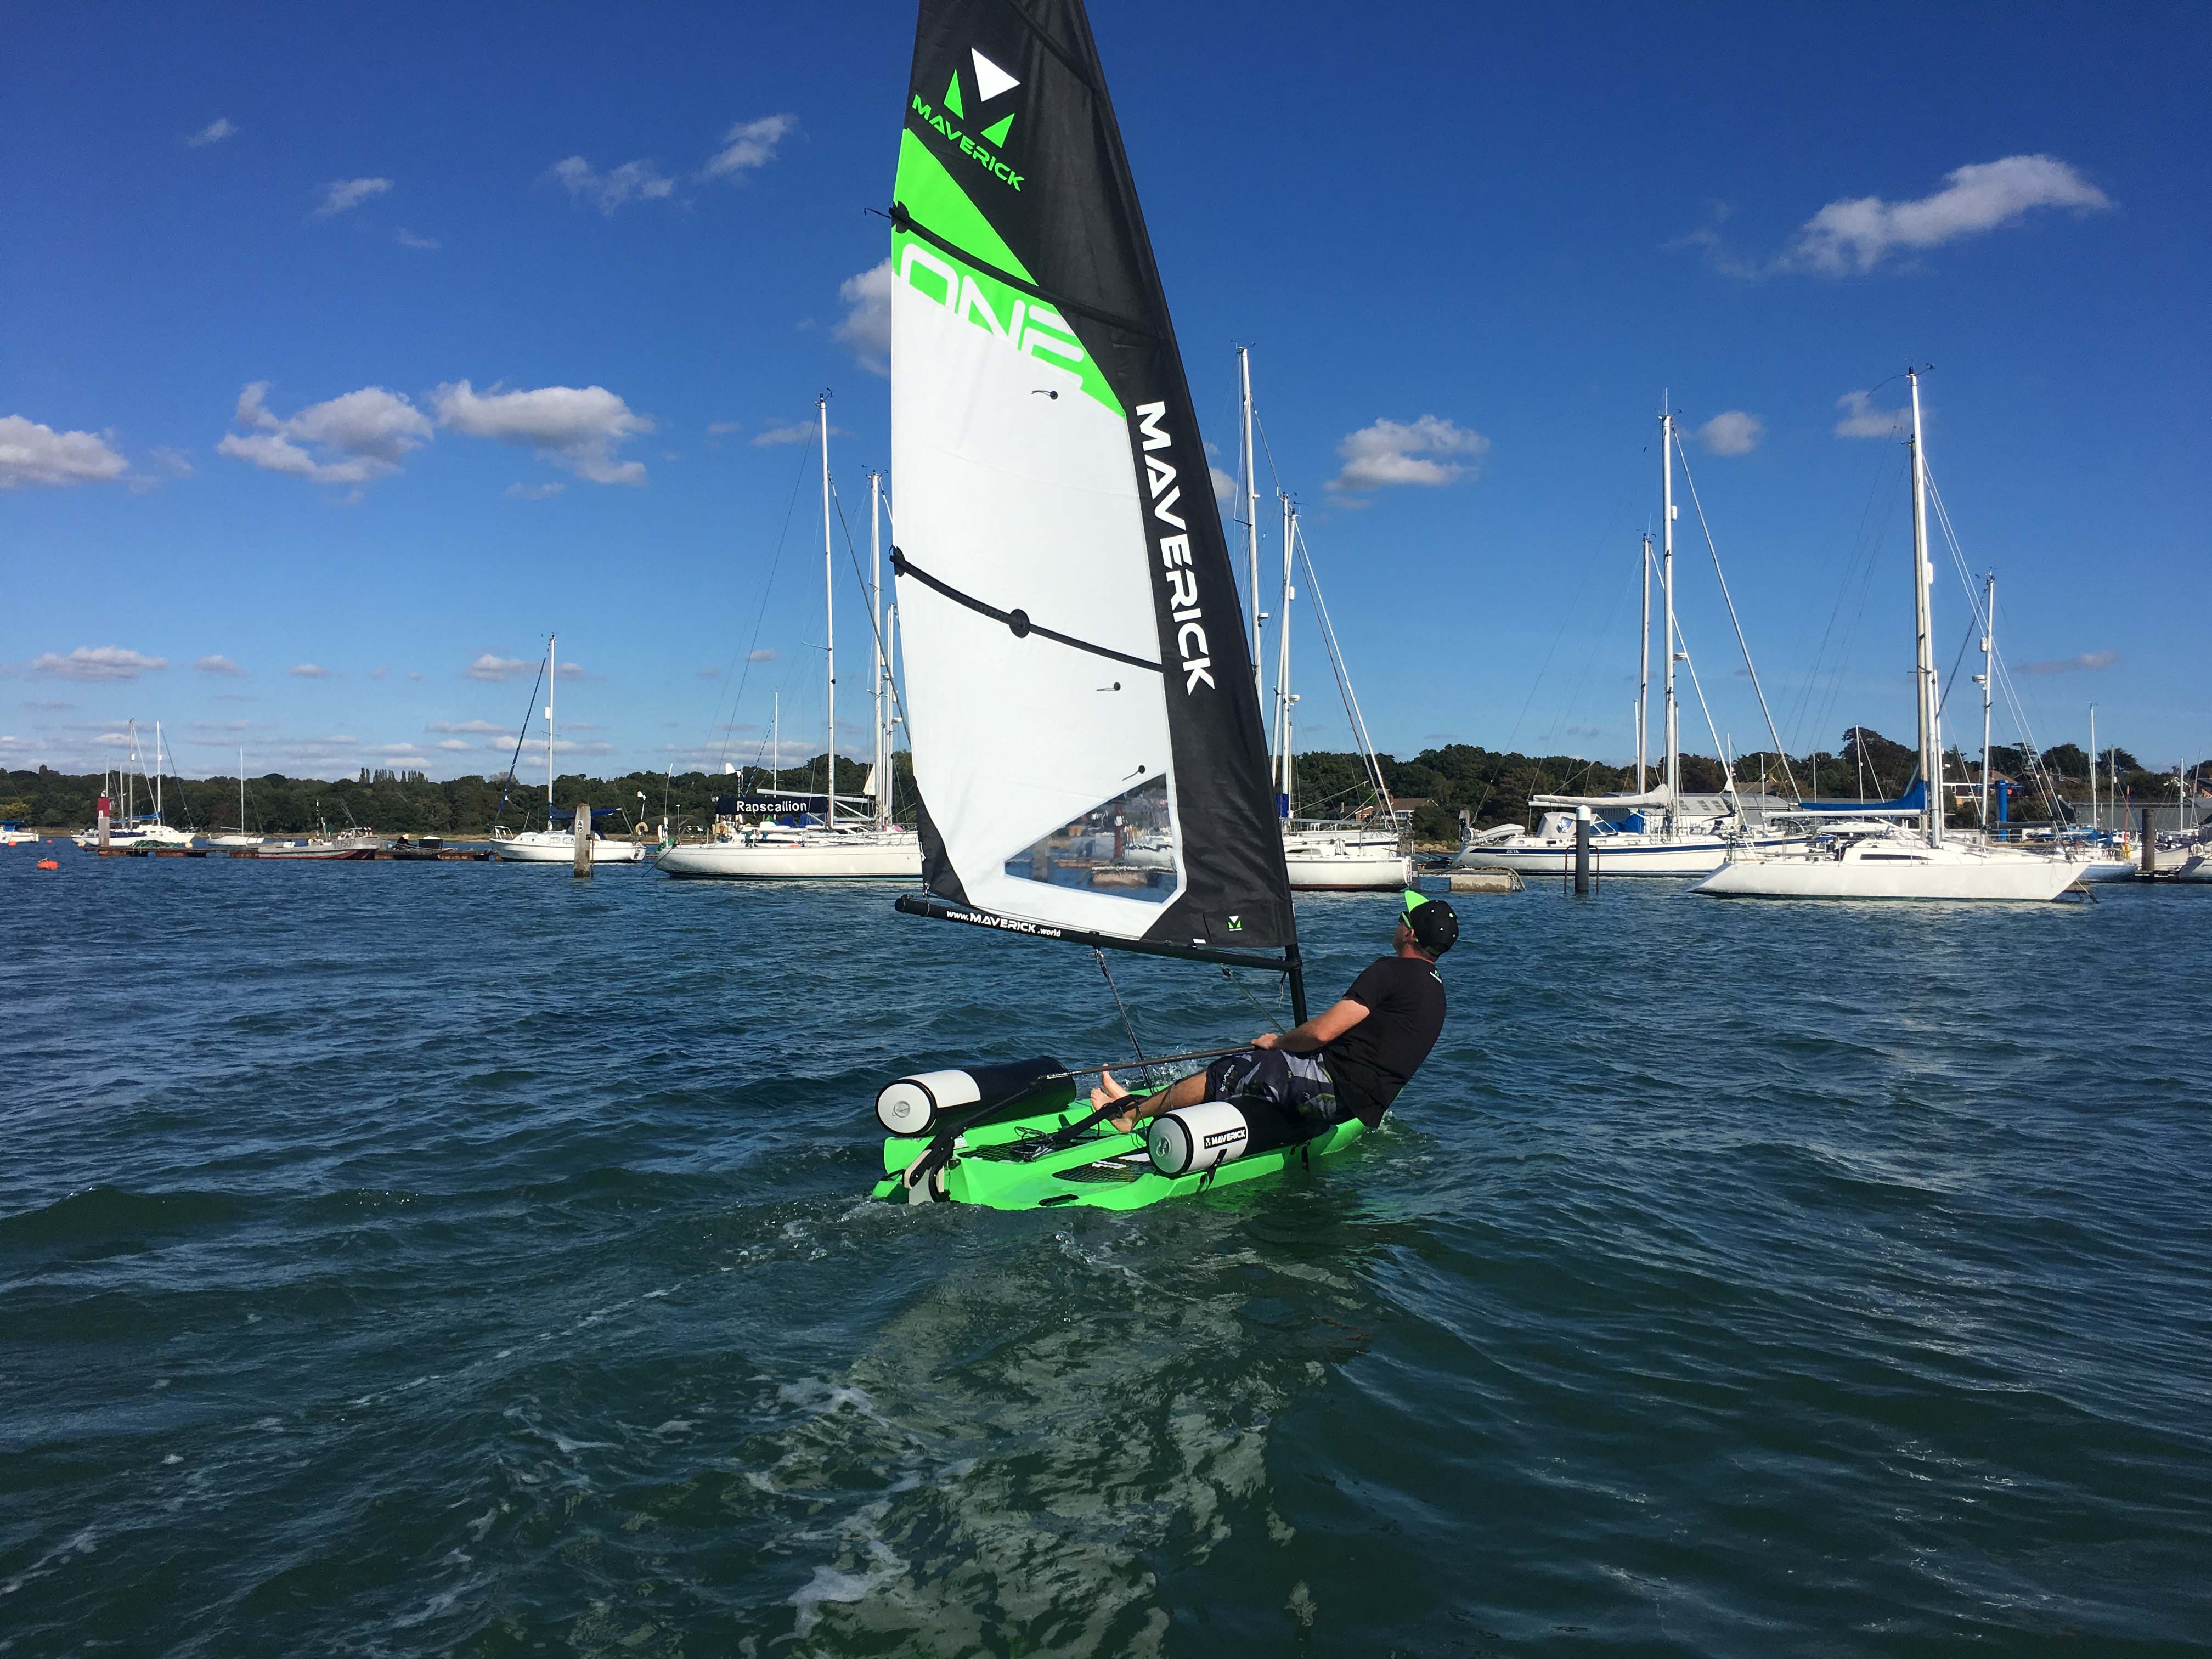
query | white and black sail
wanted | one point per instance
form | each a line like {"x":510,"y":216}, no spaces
{"x":1079,"y":694}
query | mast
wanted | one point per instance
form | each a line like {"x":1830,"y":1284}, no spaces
{"x":1251,"y":519}
{"x":1923,"y":577}
{"x":157,"y":772}
{"x":1643,"y":667}
{"x":2096,"y":823}
{"x":552,"y":679}
{"x":1283,"y":670}
{"x":242,"y":792}
{"x":829,"y":626}
{"x":1666,"y":583}
{"x":1989,"y":668}
{"x":882,"y":766}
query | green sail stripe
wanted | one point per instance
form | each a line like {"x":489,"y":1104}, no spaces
{"x":1026,"y":322}
{"x":934,"y":197}
{"x":936,"y":201}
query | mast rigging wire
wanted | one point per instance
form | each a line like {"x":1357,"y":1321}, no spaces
{"x":1750,"y":666}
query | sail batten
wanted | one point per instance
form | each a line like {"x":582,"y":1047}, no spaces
{"x":1087,"y":743}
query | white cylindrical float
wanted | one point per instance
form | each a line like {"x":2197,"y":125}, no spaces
{"x":911,"y":1104}
{"x":1194,"y":1139}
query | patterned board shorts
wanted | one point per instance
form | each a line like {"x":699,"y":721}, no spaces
{"x":1297,"y":1085}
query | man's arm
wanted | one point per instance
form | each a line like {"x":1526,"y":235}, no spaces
{"x":1324,"y":1027}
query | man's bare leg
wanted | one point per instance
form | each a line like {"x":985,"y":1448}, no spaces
{"x":1186,"y":1091}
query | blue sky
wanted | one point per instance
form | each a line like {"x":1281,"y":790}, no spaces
{"x":379,"y":342}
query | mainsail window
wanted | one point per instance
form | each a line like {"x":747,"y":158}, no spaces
{"x":1125,"y":846}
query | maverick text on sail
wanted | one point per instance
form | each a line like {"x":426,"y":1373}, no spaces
{"x":969,"y":146}
{"x":1175,"y":551}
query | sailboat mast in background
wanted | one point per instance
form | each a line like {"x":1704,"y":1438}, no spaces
{"x":1251,"y":521}
{"x":1923,"y":666}
{"x":829,"y":624}
{"x":1674,"y":731}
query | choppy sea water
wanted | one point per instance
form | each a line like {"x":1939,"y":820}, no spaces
{"x":402,"y":1259}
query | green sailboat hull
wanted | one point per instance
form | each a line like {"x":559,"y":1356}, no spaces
{"x":997,"y":1164}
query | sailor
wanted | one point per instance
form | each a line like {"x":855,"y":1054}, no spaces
{"x":1349,"y":1061}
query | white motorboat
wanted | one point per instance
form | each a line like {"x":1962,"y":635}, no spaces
{"x":558,"y":846}
{"x":1868,"y":861}
{"x":354,"y":844}
{"x":1871,"y":858}
{"x":1629,"y":836}
{"x":13,"y":834}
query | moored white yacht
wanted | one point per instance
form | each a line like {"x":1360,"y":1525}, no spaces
{"x":1869,"y":859}
{"x":823,"y":849}
{"x":1358,"y":854}
{"x":554,"y":844}
{"x":132,"y":829}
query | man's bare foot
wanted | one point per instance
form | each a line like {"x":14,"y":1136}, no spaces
{"x":1106,"y":1094}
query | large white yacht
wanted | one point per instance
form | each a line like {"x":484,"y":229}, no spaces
{"x":1870,"y":857}
{"x":811,"y":841}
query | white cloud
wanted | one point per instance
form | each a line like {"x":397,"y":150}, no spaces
{"x":407,"y":238}
{"x":577,"y":427}
{"x":1732,"y":432}
{"x":171,"y":461}
{"x":219,"y":665}
{"x":766,"y":653}
{"x":710,"y":673}
{"x":1224,"y":487}
{"x":380,"y":674}
{"x":575,"y":671}
{"x":32,"y":453}
{"x":308,"y":671}
{"x":799,"y":432}
{"x":633,"y":181}
{"x":2087,"y":663}
{"x":489,"y":667}
{"x":485,"y":728}
{"x":346,"y":194}
{"x":867,"y":327}
{"x":454,"y":744}
{"x":101,"y":662}
{"x":748,"y":145}
{"x":1408,"y":452}
{"x":213,"y":133}
{"x":1862,"y":420}
{"x":364,"y":435}
{"x":1854,"y":236}
{"x":523,"y":492}
{"x":724,"y":429}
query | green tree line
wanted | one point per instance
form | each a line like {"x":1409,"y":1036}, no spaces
{"x":1492,"y":786}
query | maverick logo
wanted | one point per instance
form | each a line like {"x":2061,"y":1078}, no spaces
{"x":992,"y":84}
{"x":1175,"y":552}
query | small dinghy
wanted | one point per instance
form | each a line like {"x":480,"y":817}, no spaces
{"x":1023,"y":1137}
{"x":1077,"y":678}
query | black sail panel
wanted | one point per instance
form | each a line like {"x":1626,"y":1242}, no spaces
{"x":1081,"y":695}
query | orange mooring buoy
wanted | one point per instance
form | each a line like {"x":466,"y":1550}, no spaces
{"x":48,"y":864}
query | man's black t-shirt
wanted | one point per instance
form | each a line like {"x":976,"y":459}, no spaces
{"x":1369,"y":1063}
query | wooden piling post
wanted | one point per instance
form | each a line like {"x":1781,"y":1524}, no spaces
{"x":1581,"y":849}
{"x":2150,"y":846}
{"x":583,"y":839}
{"x":103,"y":824}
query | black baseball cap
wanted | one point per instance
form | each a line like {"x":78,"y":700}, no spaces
{"x":1436,"y":928}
